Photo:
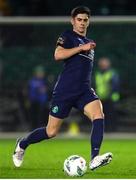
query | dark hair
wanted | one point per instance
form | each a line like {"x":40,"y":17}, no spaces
{"x":80,"y":10}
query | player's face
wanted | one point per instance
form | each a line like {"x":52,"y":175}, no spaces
{"x":80,"y":23}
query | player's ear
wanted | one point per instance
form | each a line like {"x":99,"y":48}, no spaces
{"x":72,"y":21}
{"x":88,"y":23}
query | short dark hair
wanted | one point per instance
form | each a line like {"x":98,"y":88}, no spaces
{"x":80,"y":10}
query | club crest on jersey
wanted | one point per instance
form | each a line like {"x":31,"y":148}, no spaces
{"x":55,"y":109}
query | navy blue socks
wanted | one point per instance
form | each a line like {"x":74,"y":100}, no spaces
{"x":34,"y":137}
{"x":96,"y":136}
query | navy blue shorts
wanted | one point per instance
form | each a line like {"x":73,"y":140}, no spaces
{"x":61,"y":108}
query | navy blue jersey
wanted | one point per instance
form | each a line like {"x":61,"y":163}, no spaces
{"x":76,"y":75}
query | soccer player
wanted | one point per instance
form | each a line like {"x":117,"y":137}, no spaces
{"x":72,"y":89}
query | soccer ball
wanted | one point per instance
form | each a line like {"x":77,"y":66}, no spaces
{"x":75,"y":165}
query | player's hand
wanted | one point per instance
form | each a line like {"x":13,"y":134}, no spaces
{"x":92,"y":45}
{"x":88,"y":46}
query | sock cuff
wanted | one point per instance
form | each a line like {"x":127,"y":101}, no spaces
{"x":45,"y":133}
{"x":98,"y":120}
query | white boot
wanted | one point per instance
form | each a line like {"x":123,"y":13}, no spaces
{"x":18,"y":155}
{"x":100,"y":160}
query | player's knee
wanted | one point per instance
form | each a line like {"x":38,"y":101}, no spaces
{"x":51,"y":133}
{"x":98,"y":116}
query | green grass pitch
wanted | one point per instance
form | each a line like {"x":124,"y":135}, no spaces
{"x":45,"y":159}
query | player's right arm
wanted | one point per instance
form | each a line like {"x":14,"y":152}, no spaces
{"x":62,"y":53}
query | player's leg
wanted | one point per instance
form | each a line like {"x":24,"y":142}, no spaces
{"x":42,"y":133}
{"x":39,"y":134}
{"x":94,"y":112}
{"x":53,"y":126}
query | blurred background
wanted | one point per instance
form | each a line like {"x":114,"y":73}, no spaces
{"x":28,"y":33}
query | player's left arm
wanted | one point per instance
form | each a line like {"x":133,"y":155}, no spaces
{"x":62,"y":53}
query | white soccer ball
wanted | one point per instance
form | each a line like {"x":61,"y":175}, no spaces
{"x":75,"y":165}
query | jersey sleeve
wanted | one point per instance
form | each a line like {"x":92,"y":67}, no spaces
{"x":64,"y":41}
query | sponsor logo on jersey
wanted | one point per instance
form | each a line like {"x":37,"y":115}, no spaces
{"x":88,"y":55}
{"x":81,"y":41}
{"x":60,"y":41}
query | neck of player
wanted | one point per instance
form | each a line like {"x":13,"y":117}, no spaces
{"x":80,"y":33}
